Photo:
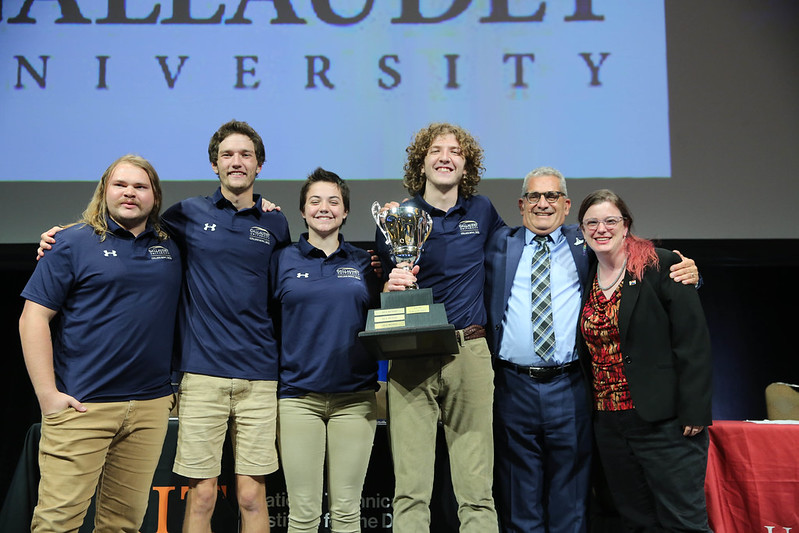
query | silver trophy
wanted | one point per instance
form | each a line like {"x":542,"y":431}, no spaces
{"x":406,"y":228}
{"x":408,"y":323}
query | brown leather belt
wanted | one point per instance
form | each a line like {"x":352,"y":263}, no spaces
{"x":472,"y":332}
{"x":540,"y":373}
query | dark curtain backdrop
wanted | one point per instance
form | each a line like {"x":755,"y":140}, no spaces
{"x":747,"y":296}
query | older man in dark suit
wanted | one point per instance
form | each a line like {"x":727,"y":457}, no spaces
{"x":542,"y":414}
{"x":535,"y":275}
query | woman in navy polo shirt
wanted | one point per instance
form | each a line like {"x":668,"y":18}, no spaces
{"x":323,"y":287}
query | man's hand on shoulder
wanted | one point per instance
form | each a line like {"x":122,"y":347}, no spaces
{"x":267,"y":206}
{"x":685,"y":271}
{"x":46,"y":241}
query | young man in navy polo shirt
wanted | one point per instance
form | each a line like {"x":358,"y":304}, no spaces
{"x":228,"y":348}
{"x":110,"y":290}
{"x":442,"y":171}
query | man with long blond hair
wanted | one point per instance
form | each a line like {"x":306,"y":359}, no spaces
{"x":109,"y":292}
{"x":228,"y":351}
{"x":96,"y":213}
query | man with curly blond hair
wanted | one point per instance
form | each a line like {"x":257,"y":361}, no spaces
{"x":442,"y":171}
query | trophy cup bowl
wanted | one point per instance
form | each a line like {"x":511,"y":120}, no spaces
{"x":406,"y":228}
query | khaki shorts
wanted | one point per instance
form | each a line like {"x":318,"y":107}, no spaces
{"x":206,"y":406}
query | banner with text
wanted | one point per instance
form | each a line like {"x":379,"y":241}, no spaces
{"x":343,"y":84}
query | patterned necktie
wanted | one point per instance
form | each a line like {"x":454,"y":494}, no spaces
{"x":543,"y":331}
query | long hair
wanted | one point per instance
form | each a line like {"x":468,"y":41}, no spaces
{"x":96,"y":213}
{"x":414,"y":179}
{"x":640,"y":252}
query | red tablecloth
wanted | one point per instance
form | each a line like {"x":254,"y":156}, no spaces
{"x":752,"y":480}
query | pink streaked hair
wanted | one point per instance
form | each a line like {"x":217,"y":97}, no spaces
{"x":640,"y":252}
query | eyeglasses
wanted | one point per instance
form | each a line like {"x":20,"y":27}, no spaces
{"x":610,"y":223}
{"x":551,"y":196}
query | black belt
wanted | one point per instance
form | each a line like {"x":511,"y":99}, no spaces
{"x":475,"y":331}
{"x":540,"y":373}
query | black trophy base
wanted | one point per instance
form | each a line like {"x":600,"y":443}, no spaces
{"x":408,"y":324}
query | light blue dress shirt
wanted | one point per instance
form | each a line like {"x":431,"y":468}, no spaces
{"x":517,"y":337}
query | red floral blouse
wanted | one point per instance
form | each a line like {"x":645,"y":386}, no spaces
{"x":600,"y":327}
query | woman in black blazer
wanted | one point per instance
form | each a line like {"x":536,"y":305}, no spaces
{"x":648,"y":354}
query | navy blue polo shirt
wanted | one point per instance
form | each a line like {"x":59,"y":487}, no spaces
{"x":225,"y":326}
{"x":116,"y":301}
{"x":452,"y":260}
{"x":323,"y":303}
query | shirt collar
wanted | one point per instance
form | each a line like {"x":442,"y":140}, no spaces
{"x":309,"y":250}
{"x":119,"y":231}
{"x":221,"y":202}
{"x":461,"y":205}
{"x":555,"y":237}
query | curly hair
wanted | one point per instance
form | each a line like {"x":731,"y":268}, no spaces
{"x":414,"y":178}
{"x":96,"y":213}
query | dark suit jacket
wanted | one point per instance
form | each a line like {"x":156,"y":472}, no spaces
{"x":665,"y":345}
{"x":503,"y":250}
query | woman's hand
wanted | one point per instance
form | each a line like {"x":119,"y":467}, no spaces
{"x":692,"y":431}
{"x":377,"y":266}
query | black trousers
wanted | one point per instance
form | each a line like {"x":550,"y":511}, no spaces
{"x":656,"y":475}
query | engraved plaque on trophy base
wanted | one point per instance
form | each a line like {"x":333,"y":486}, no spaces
{"x":408,"y":324}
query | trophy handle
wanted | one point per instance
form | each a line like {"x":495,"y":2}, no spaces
{"x":429,"y":227}
{"x":376,"y":208}
{"x":376,"y":212}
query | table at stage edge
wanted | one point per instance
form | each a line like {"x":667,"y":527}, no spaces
{"x":752,"y":482}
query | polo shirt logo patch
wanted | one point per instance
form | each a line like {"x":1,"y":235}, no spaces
{"x":110,"y":253}
{"x":260,"y":235}
{"x":468,"y":227}
{"x":209,"y":227}
{"x":159,"y":252}
{"x":348,"y":272}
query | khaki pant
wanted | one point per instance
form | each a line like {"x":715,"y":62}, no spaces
{"x":340,"y":427}
{"x":458,"y":389}
{"x":112,"y":448}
